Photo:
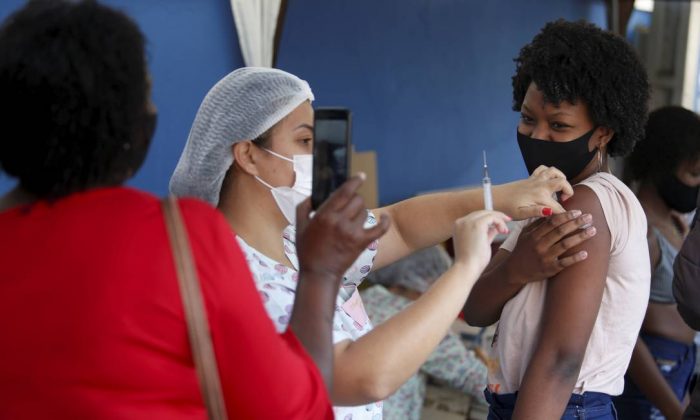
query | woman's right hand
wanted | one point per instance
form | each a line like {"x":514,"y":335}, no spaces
{"x":538,"y":253}
{"x":330,"y":241}
{"x":474,"y":234}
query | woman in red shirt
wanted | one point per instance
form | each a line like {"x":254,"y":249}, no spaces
{"x":91,"y":318}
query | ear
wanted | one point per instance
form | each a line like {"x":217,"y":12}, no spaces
{"x":602,"y":137}
{"x":245,"y":155}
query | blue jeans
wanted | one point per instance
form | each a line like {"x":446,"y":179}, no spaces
{"x":586,"y":406}
{"x":675,"y":360}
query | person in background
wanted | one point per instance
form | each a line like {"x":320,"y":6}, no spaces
{"x":563,"y":345}
{"x":249,"y":153}
{"x":394,"y":288}
{"x":686,"y":291}
{"x":665,"y":169}
{"x":91,"y":317}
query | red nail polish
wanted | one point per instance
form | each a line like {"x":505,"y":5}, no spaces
{"x":547,"y":211}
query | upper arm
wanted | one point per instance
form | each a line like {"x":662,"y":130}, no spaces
{"x":574,"y":295}
{"x":498,"y":259}
{"x":686,"y":281}
{"x":654,"y":250}
{"x":392,"y":246}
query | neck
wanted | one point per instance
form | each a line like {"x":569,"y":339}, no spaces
{"x":16,"y":197}
{"x":594,"y":166}
{"x":251,"y":212}
{"x":654,"y":206}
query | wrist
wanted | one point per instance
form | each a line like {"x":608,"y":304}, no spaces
{"x":514,"y":276}
{"x":498,"y":192}
{"x":318,"y":275}
{"x":315,"y":297}
{"x":465,"y":269}
{"x":319,"y":283}
{"x":674,"y":410}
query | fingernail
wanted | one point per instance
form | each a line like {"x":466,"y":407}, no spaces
{"x":362,"y":176}
{"x":547,"y":211}
{"x":590,"y":231}
{"x":575,"y":213}
{"x":583,"y":254}
{"x":587,"y":218}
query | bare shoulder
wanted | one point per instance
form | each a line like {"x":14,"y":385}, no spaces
{"x":587,"y":201}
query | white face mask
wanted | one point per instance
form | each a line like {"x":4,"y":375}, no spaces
{"x":288,"y":198}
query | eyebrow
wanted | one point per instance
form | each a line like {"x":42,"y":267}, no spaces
{"x":305,"y":126}
{"x":560,"y":112}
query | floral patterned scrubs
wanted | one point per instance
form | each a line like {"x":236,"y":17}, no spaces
{"x":277,"y":284}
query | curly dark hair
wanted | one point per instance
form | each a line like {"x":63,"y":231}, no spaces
{"x":672,"y":137}
{"x":73,"y":97}
{"x":577,"y":61}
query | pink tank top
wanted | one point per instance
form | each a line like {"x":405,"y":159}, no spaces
{"x":621,"y":312}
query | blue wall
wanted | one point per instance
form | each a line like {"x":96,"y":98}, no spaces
{"x":428,"y":81}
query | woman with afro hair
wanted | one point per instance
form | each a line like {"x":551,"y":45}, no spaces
{"x":563,"y":345}
{"x":665,"y":169}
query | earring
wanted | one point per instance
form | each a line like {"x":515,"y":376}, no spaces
{"x":600,"y":160}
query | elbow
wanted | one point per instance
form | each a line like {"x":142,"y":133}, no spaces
{"x":474,"y":317}
{"x":377,"y":388}
{"x":566,"y":366}
{"x":476,"y":321}
{"x":362,"y":389}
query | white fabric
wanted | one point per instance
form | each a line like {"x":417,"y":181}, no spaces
{"x":256,"y":23}
{"x":621,"y":312}
{"x":277,"y":285}
{"x":288,"y":198}
{"x":241,"y":106}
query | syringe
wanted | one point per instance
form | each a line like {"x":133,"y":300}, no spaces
{"x":486,"y":183}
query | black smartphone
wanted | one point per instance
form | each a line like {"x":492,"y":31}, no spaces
{"x":331,"y":152}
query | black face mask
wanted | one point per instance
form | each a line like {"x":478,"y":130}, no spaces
{"x":570,"y":157}
{"x":677,"y":195}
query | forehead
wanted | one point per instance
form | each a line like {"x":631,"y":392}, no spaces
{"x":535,"y":101}
{"x":299,"y":122}
{"x":303,"y":114}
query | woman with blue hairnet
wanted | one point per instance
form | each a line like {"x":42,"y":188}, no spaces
{"x":249,"y":154}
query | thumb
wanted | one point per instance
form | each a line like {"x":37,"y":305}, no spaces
{"x":492,"y":233}
{"x":528,"y":212}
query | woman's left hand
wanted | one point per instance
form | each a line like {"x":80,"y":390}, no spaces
{"x":534,"y":196}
